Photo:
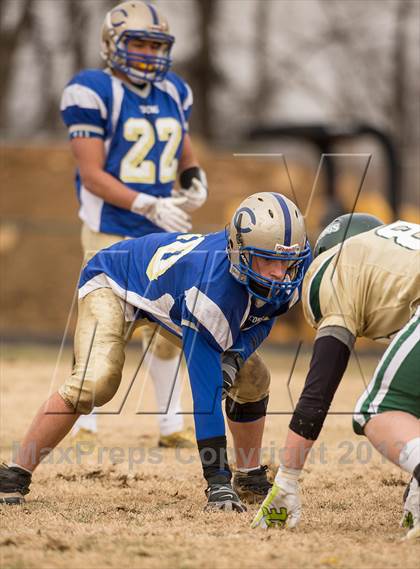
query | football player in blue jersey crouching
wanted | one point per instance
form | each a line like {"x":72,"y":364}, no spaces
{"x":128,"y":128}
{"x":219,"y":294}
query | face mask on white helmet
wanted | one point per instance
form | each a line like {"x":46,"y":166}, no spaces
{"x":270,"y":227}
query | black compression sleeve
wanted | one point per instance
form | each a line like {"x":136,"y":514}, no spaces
{"x":328,"y":364}
{"x":186,"y":176}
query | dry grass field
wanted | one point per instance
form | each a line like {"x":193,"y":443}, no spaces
{"x":129,"y":504}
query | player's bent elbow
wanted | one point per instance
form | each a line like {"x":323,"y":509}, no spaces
{"x":91,"y":180}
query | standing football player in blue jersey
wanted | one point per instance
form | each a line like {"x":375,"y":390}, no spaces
{"x":219,"y":294}
{"x":128,"y":126}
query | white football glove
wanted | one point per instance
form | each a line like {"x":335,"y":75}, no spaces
{"x":193,"y":188}
{"x":282,"y":506}
{"x":163,"y":212}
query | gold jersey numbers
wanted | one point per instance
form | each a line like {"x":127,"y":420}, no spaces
{"x":167,"y":255}
{"x":134,"y":166}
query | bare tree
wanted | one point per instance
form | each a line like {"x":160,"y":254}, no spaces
{"x":202,"y":70}
{"x":405,"y":85}
{"x":266,"y":82}
{"x":375,"y":74}
{"x":10,"y":38}
{"x":401,"y":122}
{"x":376,"y":82}
{"x":78,"y":23}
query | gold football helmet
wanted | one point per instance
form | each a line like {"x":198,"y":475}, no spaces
{"x":270,"y":226}
{"x":136,"y":20}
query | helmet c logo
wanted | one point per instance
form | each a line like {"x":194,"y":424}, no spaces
{"x":237,"y":222}
{"x":115,"y":14}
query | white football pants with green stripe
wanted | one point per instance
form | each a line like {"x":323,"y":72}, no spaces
{"x":395,"y":385}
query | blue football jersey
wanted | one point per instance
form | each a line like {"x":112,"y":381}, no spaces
{"x":179,"y":280}
{"x":143,"y":131}
{"x":182,"y":281}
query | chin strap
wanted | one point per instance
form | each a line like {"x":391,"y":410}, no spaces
{"x":258,"y":288}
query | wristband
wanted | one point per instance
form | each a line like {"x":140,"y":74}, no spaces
{"x":186,"y":177}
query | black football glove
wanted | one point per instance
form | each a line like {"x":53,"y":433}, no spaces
{"x":231,"y":364}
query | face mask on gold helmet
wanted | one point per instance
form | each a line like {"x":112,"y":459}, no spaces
{"x":269,"y":226}
{"x":136,"y":20}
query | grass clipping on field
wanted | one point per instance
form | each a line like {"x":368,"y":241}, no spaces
{"x":150,"y":515}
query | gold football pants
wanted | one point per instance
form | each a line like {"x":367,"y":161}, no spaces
{"x":99,"y":347}
{"x":92,"y":242}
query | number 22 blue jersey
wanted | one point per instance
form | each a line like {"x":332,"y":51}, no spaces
{"x":143,"y":131}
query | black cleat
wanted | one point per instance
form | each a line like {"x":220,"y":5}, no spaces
{"x":252,"y":486}
{"x":14,"y":484}
{"x":221,"y":496}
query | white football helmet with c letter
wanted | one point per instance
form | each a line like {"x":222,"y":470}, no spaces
{"x":270,"y":226}
{"x":136,"y":20}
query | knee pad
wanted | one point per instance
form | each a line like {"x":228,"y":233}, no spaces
{"x":246,"y":412}
{"x":252,"y":383}
{"x":84,"y":395}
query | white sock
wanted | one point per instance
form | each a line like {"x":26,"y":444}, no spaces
{"x":88,"y":422}
{"x":291,"y":474}
{"x":246,"y":470}
{"x":410,"y":455}
{"x":13,"y":464}
{"x":163,"y":373}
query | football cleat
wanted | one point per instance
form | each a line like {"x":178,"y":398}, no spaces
{"x":252,"y":486}
{"x":411,"y":514}
{"x":221,"y":496}
{"x":180,"y":439}
{"x":84,"y":442}
{"x":14,"y":484}
{"x":84,"y":436}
